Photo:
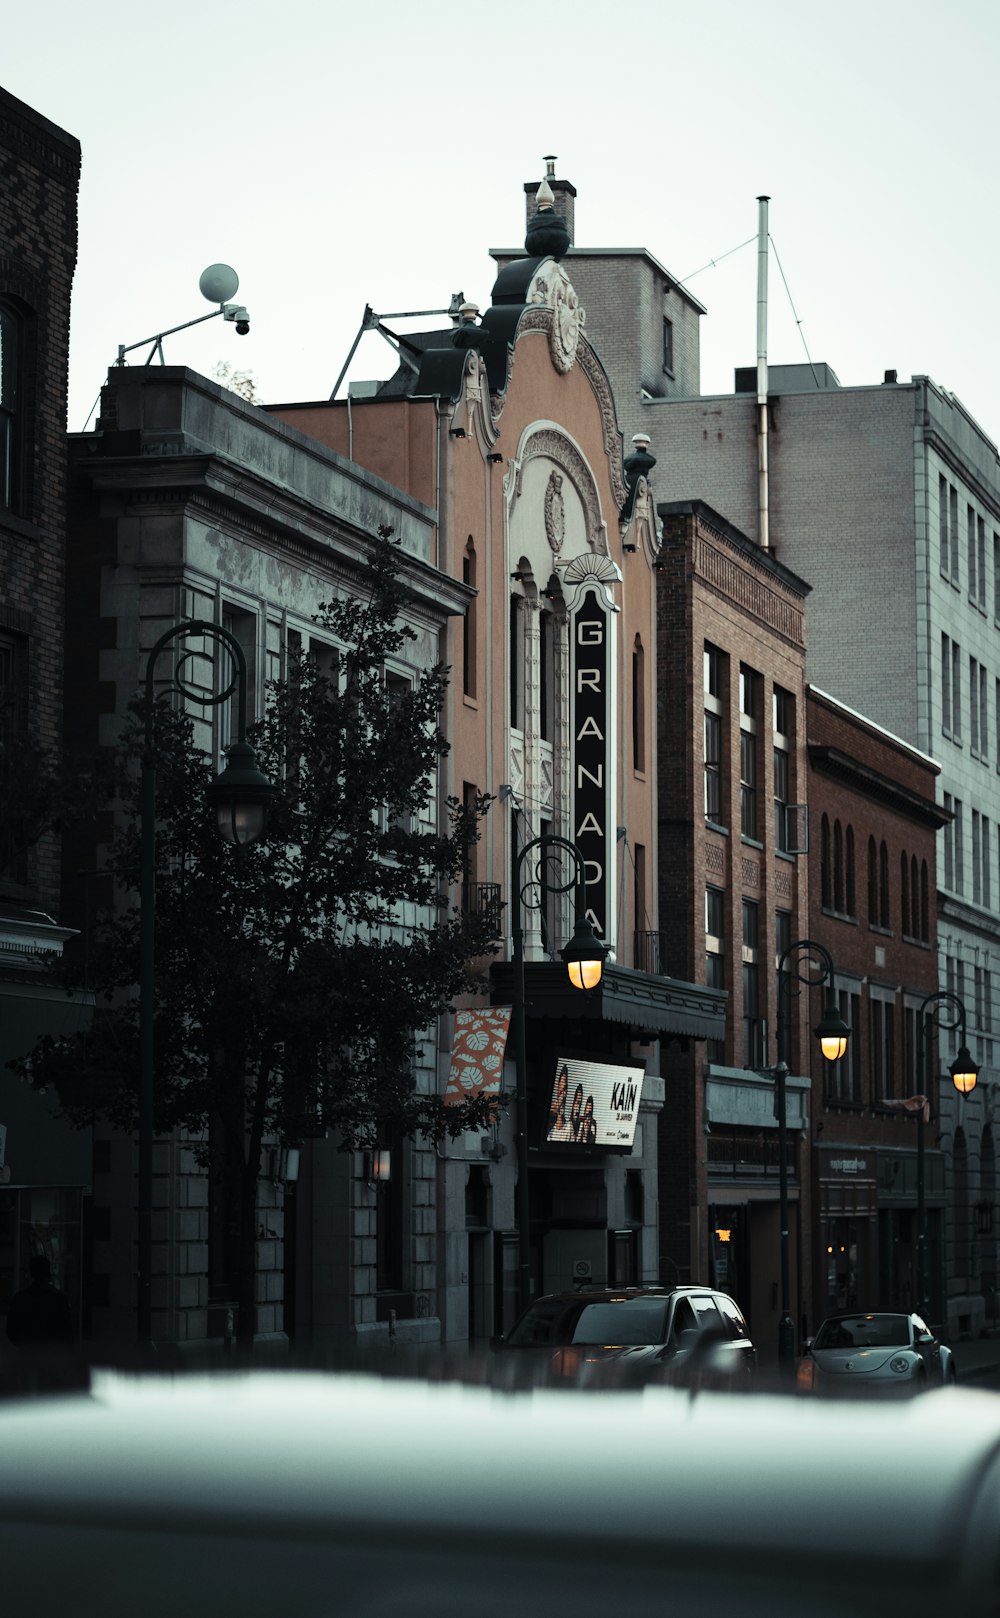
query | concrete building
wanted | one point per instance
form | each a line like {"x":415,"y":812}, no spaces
{"x":190,"y":503}
{"x":44,"y":1165}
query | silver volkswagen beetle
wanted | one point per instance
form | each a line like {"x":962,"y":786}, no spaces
{"x":877,"y":1353}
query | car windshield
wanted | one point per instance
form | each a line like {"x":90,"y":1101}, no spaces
{"x":864,"y":1331}
{"x":632,"y":1320}
{"x":618,"y":1321}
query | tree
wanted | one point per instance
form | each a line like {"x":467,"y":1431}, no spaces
{"x":293,"y":977}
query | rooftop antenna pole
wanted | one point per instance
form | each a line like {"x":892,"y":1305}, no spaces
{"x":762,"y":490}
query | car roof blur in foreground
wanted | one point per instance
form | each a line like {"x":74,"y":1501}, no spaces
{"x":315,"y":1494}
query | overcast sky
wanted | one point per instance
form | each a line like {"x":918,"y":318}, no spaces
{"x":342,"y":154}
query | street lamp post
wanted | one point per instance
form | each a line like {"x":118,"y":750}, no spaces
{"x":240,"y":796}
{"x":813,"y":967}
{"x":584,"y":956}
{"x":964,"y":1075}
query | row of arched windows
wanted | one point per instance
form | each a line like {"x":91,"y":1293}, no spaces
{"x":837,"y":882}
{"x":836,"y":866}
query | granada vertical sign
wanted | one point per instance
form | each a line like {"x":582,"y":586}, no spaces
{"x":591,"y":724}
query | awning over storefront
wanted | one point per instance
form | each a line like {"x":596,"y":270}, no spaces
{"x":643,"y":1001}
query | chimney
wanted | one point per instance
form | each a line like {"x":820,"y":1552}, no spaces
{"x":563,"y":195}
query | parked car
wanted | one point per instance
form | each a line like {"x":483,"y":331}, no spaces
{"x":304,"y":1495}
{"x":889,"y":1354}
{"x":635,"y":1334}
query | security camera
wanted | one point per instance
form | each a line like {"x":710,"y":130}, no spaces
{"x":236,"y":313}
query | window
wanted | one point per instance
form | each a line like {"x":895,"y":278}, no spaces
{"x":754,"y":1028}
{"x":883,"y":886}
{"x":959,"y":849}
{"x":838,"y":867}
{"x":470,"y":871}
{"x":925,"y":907}
{"x":972,"y":552}
{"x":10,"y":364}
{"x":782,"y":934}
{"x":977,"y":857}
{"x":668,"y":346}
{"x":951,"y":688}
{"x":872,"y":883}
{"x":981,"y":556}
{"x":242,"y":625}
{"x":714,"y":675}
{"x":904,"y":895}
{"x":953,"y":530}
{"x":996,"y":576}
{"x":983,"y":995}
{"x":944,"y":559}
{"x":882,"y":1049}
{"x":715,"y":958}
{"x":469,"y":623}
{"x":825,"y":865}
{"x":749,"y":702}
{"x":910,"y":1065}
{"x":978,"y":714}
{"x":949,"y":842}
{"x":783,"y":709}
{"x":546,"y":674}
{"x":638,"y":705}
{"x":516,"y":659}
{"x":397,"y":689}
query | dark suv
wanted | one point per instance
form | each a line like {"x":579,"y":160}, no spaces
{"x":690,"y":1335}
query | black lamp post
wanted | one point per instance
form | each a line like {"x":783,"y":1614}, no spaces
{"x":240,"y":795}
{"x":813,"y":966}
{"x":964,"y":1075}
{"x":584,"y":956}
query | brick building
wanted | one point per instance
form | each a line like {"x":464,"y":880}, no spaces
{"x":44,"y":1167}
{"x":873,"y":906}
{"x":733,"y":893}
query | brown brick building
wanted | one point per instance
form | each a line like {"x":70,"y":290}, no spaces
{"x":873,"y":906}
{"x":733,"y":893}
{"x":43,"y":1165}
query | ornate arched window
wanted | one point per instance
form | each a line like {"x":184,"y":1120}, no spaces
{"x":872,"y":883}
{"x":904,"y":895}
{"x":825,"y":872}
{"x":925,"y":905}
{"x":838,"y":867}
{"x":849,"y":900}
